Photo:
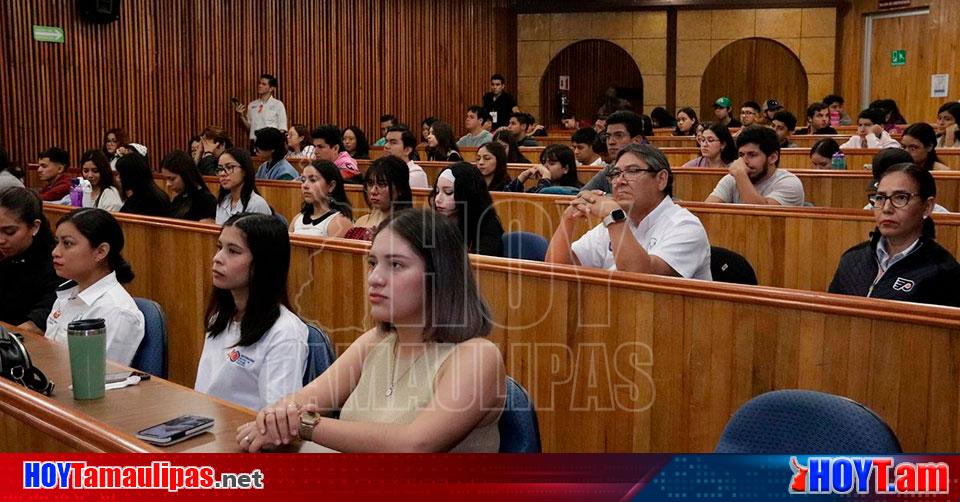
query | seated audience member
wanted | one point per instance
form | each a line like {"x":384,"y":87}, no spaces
{"x":401,"y":144}
{"x":623,"y":127}
{"x":461,"y":194}
{"x":95,"y":168}
{"x":476,"y":134}
{"x":723,"y":110}
{"x":885,"y":159}
{"x":355,"y":143}
{"x":248,"y":317}
{"x":299,"y":142}
{"x":386,"y":122}
{"x":717,"y":148}
{"x":557,"y":168}
{"x":770,"y":108}
{"x":920,"y":141}
{"x":328,"y":145}
{"x":213,"y":142}
{"x":509,"y":143}
{"x":112,"y":140}
{"x":642,"y":229}
{"x":901,"y":261}
{"x":28,"y":283}
{"x":835,"y":105}
{"x":818,"y":120}
{"x":326,"y":211}
{"x":750,"y":113}
{"x":272,"y":143}
{"x":870,"y":133}
{"x":141,"y":195}
{"x":89,"y":243}
{"x":892,"y":117}
{"x":7,"y":170}
{"x":948,"y":133}
{"x":52,"y":164}
{"x":569,"y":121}
{"x":784,"y":123}
{"x":583,"y":141}
{"x":195,"y":148}
{"x":520,"y":126}
{"x":492,"y":164}
{"x":661,"y":118}
{"x":192,"y":199}
{"x":687,"y":122}
{"x":386,"y":189}
{"x":425,"y":130}
{"x":754,"y":177}
{"x":238,"y":186}
{"x":433,"y":322}
{"x":440,"y":144}
{"x":821,"y":154}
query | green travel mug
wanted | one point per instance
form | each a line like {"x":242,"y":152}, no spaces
{"x":87,"y":342}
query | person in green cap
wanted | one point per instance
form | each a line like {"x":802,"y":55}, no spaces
{"x":722,"y":109}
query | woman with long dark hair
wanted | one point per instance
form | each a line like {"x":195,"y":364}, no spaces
{"x":355,"y":143}
{"x":386,"y":189}
{"x":441,"y":145}
{"x":492,"y":163}
{"x":514,"y":156}
{"x":460,"y":193}
{"x":717,"y":147}
{"x":687,"y":122}
{"x":238,"y":186}
{"x":920,"y":141}
{"x":557,"y":168}
{"x":96,"y":169}
{"x":326,"y":211}
{"x":192,"y":199}
{"x":141,"y":193}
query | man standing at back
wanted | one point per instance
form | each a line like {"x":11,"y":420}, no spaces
{"x":476,"y":134}
{"x":754,"y":177}
{"x":623,"y":127}
{"x":266,"y":110}
{"x":498,"y":102}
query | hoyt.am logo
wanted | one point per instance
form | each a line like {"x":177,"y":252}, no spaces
{"x":878,"y":475}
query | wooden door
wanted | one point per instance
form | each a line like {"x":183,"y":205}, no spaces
{"x":593,"y":66}
{"x":907,"y":33}
{"x":755,"y":69}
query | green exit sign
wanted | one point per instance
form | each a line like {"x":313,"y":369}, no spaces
{"x":50,"y":34}
{"x":898,"y":58}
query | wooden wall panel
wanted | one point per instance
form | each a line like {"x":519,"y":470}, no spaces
{"x":168,"y":69}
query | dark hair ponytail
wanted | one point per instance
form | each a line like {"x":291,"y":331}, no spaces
{"x":99,"y":227}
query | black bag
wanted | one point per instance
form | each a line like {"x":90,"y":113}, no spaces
{"x":15,"y":364}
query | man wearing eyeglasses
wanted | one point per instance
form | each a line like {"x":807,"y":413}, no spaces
{"x":642,"y":230}
{"x":754,"y":177}
{"x":622,"y":128}
{"x":750,"y":113}
{"x":266,"y":110}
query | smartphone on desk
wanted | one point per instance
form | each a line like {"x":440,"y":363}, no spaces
{"x":176,"y":430}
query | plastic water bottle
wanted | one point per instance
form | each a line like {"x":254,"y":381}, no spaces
{"x":838,"y":161}
{"x":834,"y":118}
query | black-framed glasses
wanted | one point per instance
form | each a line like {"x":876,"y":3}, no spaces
{"x":382,"y":185}
{"x":227,"y":169}
{"x":899,"y":199}
{"x":629,"y":174}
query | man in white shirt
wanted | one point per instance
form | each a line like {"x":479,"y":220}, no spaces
{"x":754,"y":177}
{"x":401,"y":143}
{"x":642,"y":229}
{"x":583,"y":141}
{"x":870,"y":133}
{"x":266,"y":110}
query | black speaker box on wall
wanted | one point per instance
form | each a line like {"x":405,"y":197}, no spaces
{"x":99,"y":11}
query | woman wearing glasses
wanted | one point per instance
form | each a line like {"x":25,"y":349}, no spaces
{"x":238,"y":189}
{"x":326,"y":211}
{"x":717,"y":148}
{"x":386,"y":188}
{"x":901,"y":261}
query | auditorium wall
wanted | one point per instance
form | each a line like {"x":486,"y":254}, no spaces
{"x":167,"y":69}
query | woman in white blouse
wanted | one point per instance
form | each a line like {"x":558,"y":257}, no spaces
{"x":326,"y":211}
{"x":87,"y":254}
{"x":255,"y":351}
{"x":95,"y":168}
{"x":238,"y":187}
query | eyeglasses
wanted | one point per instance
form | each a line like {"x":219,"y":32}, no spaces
{"x":383,"y":185}
{"x":629,"y":174}
{"x":619,"y":135}
{"x":227,"y":169}
{"x":899,"y":199}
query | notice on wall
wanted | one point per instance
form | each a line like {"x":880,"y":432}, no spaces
{"x":564,"y":82}
{"x":939,"y":85}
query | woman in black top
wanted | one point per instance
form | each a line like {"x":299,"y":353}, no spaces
{"x":192,"y":199}
{"x":355,"y":143}
{"x":460,"y":193}
{"x":28,"y":284}
{"x":901,"y":261}
{"x":140,"y":192}
{"x":513,"y":149}
{"x":441,"y":144}
{"x":492,"y":163}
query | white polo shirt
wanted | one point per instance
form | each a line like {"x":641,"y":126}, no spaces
{"x":257,"y":204}
{"x":269,"y":113}
{"x":669,"y":232}
{"x":259,"y":374}
{"x":105,"y":299}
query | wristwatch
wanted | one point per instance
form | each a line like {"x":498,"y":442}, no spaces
{"x":615,"y":216}
{"x":308,"y":422}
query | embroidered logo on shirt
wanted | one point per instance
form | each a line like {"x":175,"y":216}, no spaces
{"x":902,"y":284}
{"x":653,"y":242}
{"x":56,"y":314}
{"x":239,"y":359}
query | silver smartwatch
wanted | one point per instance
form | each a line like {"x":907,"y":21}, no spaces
{"x":615,"y":216}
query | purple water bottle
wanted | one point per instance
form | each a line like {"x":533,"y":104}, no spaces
{"x":76,"y":193}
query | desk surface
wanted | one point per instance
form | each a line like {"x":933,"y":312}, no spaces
{"x":110,"y":424}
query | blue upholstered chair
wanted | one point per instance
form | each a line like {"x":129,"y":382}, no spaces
{"x":803,"y":421}
{"x":151,"y":356}
{"x":524,"y":246}
{"x":519,"y":429}
{"x":320,"y":353}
